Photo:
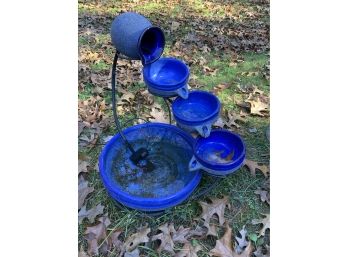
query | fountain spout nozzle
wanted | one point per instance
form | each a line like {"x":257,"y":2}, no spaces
{"x":139,"y":158}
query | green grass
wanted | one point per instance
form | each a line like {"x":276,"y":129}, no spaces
{"x":100,"y":66}
{"x":240,"y":186}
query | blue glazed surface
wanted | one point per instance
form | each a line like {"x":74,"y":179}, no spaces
{"x":168,"y":185}
{"x":223,"y":151}
{"x":165,"y":76}
{"x":134,"y":36}
{"x":199,"y":107}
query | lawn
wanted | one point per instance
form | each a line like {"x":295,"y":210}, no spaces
{"x":226,"y":45}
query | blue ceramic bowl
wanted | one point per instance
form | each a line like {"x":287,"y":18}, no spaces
{"x":222,"y":153}
{"x":198,"y":112}
{"x":167,"y":77}
{"x":169,"y":184}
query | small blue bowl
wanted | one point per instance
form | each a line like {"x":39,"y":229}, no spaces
{"x":197,"y":113}
{"x":222,"y":153}
{"x":167,"y":77}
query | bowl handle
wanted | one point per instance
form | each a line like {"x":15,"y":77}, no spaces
{"x":194,"y":165}
{"x":204,"y":130}
{"x":183,"y":92}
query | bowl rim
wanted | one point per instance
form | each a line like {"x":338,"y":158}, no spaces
{"x":137,"y":200}
{"x":178,"y":101}
{"x":219,"y":165}
{"x":146,"y":71}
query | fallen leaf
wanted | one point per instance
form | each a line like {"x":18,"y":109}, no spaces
{"x":241,"y":241}
{"x":220,"y":123}
{"x":82,"y":253}
{"x":84,"y":190}
{"x":83,"y":166}
{"x":134,"y":240}
{"x":81,"y":127}
{"x":198,"y":231}
{"x":95,"y":234}
{"x":232,"y":118}
{"x":189,"y":251}
{"x":260,"y":252}
{"x":209,"y":71}
{"x":92,"y":242}
{"x":175,"y":25}
{"x":180,"y":234}
{"x":91,"y":214}
{"x":165,"y":237}
{"x":265,"y":224}
{"x":258,"y":104}
{"x":257,"y":91}
{"x":264,"y":195}
{"x":209,"y":209}
{"x":129,"y":96}
{"x":220,"y":87}
{"x":253,"y":166}
{"x":115,"y":242}
{"x":134,"y":253}
{"x":223,"y":246}
{"x":158,"y":116}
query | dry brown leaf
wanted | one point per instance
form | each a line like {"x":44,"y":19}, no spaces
{"x":253,"y":166}
{"x":97,"y":90}
{"x":100,"y":80}
{"x":260,"y":252}
{"x":265,"y":224}
{"x":220,"y":123}
{"x":241,"y":241}
{"x":81,"y":127}
{"x":91,"y":214}
{"x":180,"y":234}
{"x":220,"y":87}
{"x":223,"y":246}
{"x":91,"y":110}
{"x":84,"y":190}
{"x":158,"y":116}
{"x":209,"y":71}
{"x":96,"y":234}
{"x":129,"y":97}
{"x":258,"y":104}
{"x":82,"y":253}
{"x":209,"y":209}
{"x":148,"y":98}
{"x":189,"y":251}
{"x":83,"y":166}
{"x":134,"y":253}
{"x":264,"y":195}
{"x":92,"y":242}
{"x":115,"y":242}
{"x":165,"y":237}
{"x":175,"y":25}
{"x":232,"y":118}
{"x":198,"y":231}
{"x":257,"y":91}
{"x":134,"y":240}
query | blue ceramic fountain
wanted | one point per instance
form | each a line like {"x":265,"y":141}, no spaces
{"x":155,"y":166}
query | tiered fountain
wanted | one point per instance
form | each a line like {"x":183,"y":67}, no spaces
{"x":155,"y":166}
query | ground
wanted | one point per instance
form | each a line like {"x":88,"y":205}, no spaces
{"x":226,"y":45}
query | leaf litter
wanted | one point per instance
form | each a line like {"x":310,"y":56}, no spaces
{"x":223,"y":34}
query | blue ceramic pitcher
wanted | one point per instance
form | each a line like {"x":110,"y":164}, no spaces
{"x":134,"y":36}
